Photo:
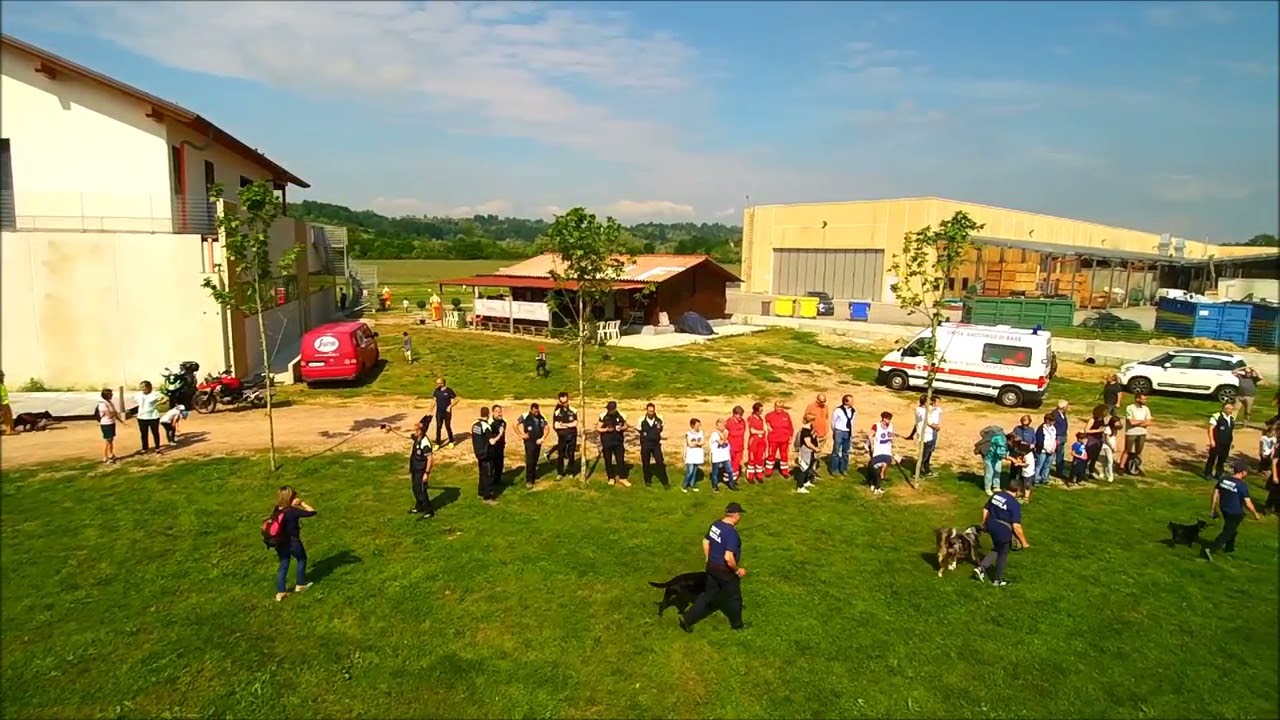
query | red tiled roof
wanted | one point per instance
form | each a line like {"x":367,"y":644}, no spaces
{"x":537,"y":283}
{"x":645,"y":269}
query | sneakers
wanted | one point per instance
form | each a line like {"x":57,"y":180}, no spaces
{"x":426,"y":516}
{"x":1206,"y":554}
{"x":528,"y":486}
{"x":300,"y":588}
{"x":999,"y":583}
{"x":802,"y":490}
{"x":979,"y":574}
{"x":684,"y":490}
{"x":281,"y":596}
{"x":490,"y":501}
{"x":877,"y":491}
{"x":624,"y":482}
{"x":413,"y":511}
{"x":611,"y":482}
{"x":808,"y":484}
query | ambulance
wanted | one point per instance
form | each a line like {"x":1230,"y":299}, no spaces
{"x":1011,"y":365}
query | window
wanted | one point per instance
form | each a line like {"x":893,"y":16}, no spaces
{"x":918,"y":348}
{"x":245,"y":182}
{"x":1180,"y":362}
{"x":964,"y":283}
{"x":1006,"y":355}
{"x":175,"y":170}
{"x":1213,"y":363}
{"x":210,"y":178}
{"x":8,"y":212}
{"x":951,"y":284}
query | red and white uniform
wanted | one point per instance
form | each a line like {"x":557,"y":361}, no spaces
{"x":779,"y":442}
{"x":756,"y":445}
{"x":736,"y":428}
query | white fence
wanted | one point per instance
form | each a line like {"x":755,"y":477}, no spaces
{"x":534,"y":311}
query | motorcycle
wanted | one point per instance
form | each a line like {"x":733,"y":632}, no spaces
{"x":229,"y":391}
{"x":180,"y":387}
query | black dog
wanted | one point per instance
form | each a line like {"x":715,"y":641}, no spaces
{"x":681,"y":591}
{"x":29,"y":421}
{"x":1186,"y":534}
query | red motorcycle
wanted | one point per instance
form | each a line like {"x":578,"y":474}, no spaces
{"x":228,"y":390}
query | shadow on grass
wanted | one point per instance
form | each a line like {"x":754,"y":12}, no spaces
{"x":446,"y":497}
{"x":330,"y":564}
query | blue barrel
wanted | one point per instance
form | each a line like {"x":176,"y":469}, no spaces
{"x":860,"y":310}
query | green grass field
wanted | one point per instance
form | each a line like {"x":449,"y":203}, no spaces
{"x":149,"y":594}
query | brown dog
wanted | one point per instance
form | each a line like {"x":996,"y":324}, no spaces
{"x":955,"y":544}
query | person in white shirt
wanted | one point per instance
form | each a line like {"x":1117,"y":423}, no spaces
{"x":1137,"y":420}
{"x":170,"y":420}
{"x":880,"y":442}
{"x":1046,"y":448}
{"x":928,"y":423}
{"x":1024,"y":459}
{"x":842,"y":434}
{"x":694,"y":455}
{"x":720,"y":459}
{"x":1108,"y":459}
{"x":149,"y":416}
{"x":107,"y":416}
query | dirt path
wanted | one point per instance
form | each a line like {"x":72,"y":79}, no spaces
{"x":355,"y":426}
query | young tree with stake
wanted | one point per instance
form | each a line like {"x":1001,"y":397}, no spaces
{"x":589,"y":259}
{"x":930,"y":256}
{"x":250,"y":279}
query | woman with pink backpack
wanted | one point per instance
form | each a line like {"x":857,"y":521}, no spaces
{"x":283,"y":531}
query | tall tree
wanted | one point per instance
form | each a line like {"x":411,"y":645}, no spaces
{"x":929,"y":256}
{"x":251,"y":275}
{"x":589,"y":260}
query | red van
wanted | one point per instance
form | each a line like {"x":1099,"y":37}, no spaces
{"x":338,"y":351}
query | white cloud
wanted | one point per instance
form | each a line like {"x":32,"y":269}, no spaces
{"x":549,"y":211}
{"x":726,"y":213}
{"x":649,"y":210}
{"x":870,"y":61}
{"x":396,"y":207}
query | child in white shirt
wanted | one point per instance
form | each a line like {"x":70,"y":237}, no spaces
{"x":170,"y":420}
{"x":694,"y":455}
{"x":720,"y":459}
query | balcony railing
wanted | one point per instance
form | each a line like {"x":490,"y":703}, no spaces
{"x":58,"y":211}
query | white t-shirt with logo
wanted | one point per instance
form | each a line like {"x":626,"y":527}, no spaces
{"x":881,"y":440}
{"x":693,"y":455}
{"x":719,"y":447}
{"x":148,"y":405}
{"x":1136,"y":413}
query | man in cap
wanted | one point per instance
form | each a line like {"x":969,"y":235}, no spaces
{"x":722,"y":550}
{"x":1231,"y":496}
{"x":611,"y":428}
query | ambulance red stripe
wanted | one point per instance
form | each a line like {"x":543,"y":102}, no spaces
{"x":1038,"y":382}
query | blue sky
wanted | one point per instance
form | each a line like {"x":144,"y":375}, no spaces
{"x":1149,"y":115}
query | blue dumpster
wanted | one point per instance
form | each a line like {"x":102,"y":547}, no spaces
{"x":1217,"y":321}
{"x":860,"y":310}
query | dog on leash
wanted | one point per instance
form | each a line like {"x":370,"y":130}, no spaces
{"x":681,"y":591}
{"x":30,"y":421}
{"x":1186,"y":534}
{"x":955,"y":544}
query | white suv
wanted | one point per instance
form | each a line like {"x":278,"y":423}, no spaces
{"x":1195,"y":372}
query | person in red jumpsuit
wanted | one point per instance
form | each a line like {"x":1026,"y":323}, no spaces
{"x":736,"y":427}
{"x":779,"y":440}
{"x":756,"y":444}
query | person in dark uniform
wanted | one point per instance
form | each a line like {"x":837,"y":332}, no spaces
{"x":420,"y":462}
{"x":612,"y":429}
{"x":482,"y":444}
{"x":1222,"y":428}
{"x":565,"y":422}
{"x":1231,"y":496}
{"x":540,"y":365}
{"x":532,"y":429}
{"x":498,"y":452}
{"x":445,"y":398}
{"x":1002,"y":519}
{"x":342,"y":300}
{"x":651,"y":447}
{"x":722,"y":549}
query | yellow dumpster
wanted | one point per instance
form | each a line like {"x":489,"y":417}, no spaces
{"x":784,"y":307}
{"x":808,"y":307}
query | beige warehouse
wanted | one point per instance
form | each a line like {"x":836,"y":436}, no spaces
{"x":847,"y":248}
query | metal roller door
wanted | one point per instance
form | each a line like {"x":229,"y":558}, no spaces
{"x":845,"y":274}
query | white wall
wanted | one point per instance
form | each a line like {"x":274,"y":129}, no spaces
{"x":82,"y":151}
{"x":94,"y":309}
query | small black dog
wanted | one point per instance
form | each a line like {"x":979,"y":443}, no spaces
{"x":681,"y":591}
{"x":30,"y":421}
{"x":1186,"y":534}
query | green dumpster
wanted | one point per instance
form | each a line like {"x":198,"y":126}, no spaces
{"x":1019,"y":312}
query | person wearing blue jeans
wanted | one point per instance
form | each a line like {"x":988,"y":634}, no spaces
{"x":1060,"y":424}
{"x":694,"y":455}
{"x":842,"y":434}
{"x":721,"y":459}
{"x":1046,"y":448}
{"x":290,"y":509}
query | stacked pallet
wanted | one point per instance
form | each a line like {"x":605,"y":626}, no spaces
{"x":1011,"y":279}
{"x":1074,"y":286}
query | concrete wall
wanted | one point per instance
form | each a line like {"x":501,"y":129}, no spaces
{"x":81,"y":153}
{"x":882,"y":225}
{"x":93,"y":309}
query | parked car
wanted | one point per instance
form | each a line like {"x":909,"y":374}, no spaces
{"x":337,"y":352}
{"x":1196,"y":372}
{"x":826,"y":306}
{"x":1011,"y":365}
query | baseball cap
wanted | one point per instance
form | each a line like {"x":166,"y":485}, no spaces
{"x":1238,"y":467}
{"x":611,"y":406}
{"x":733,"y":508}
